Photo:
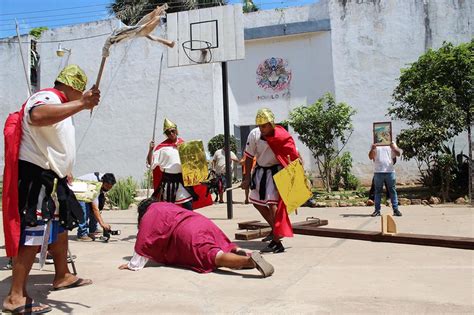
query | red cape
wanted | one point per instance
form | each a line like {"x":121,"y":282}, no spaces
{"x":11,"y":215}
{"x":157,"y":173}
{"x":284,"y":148}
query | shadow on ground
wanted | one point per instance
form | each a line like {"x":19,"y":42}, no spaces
{"x":41,"y":285}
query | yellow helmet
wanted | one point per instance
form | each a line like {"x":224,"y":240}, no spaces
{"x":168,"y":124}
{"x":74,"y":77}
{"x":264,"y":115}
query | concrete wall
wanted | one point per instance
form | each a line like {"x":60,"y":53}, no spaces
{"x":116,"y":138}
{"x":371,"y":41}
{"x":308,"y":59}
{"x":13,"y":86}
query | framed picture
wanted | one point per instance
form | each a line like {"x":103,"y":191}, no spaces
{"x":383,"y":133}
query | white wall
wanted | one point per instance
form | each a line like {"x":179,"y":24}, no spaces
{"x":116,"y":138}
{"x":13,"y":86}
{"x":371,"y":41}
{"x":309,"y":60}
{"x":317,"y":11}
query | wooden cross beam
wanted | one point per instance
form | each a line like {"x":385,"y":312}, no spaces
{"x":312,"y":227}
{"x":259,"y":229}
{"x":401,"y":238}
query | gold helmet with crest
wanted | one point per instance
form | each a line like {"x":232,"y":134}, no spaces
{"x":264,"y":116}
{"x":168,"y":124}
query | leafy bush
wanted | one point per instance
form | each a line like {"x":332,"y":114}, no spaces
{"x":351,"y":182}
{"x":342,"y":166}
{"x":217,"y":142}
{"x":147,"y":180}
{"x":123,"y":193}
{"x":448,"y":173}
{"x":324,"y":127}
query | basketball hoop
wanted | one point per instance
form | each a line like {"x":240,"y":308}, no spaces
{"x":198,"y":55}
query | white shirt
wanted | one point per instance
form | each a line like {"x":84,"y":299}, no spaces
{"x":50,"y":147}
{"x":260,"y":148}
{"x":167,"y":158}
{"x":137,"y":262}
{"x":383,"y":160}
{"x":219,"y":161}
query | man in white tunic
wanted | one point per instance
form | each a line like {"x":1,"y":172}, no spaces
{"x":46,"y":154}
{"x":167,"y":171}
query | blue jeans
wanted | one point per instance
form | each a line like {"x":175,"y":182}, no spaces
{"x":90,"y":223}
{"x":390,"y":181}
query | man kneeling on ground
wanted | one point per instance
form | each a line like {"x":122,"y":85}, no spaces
{"x":172,"y":235}
{"x":87,"y":231}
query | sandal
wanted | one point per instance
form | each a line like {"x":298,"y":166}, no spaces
{"x":78,"y":283}
{"x":28,"y":309}
{"x":263,"y":266}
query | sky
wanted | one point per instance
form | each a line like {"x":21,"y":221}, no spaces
{"x":54,"y":13}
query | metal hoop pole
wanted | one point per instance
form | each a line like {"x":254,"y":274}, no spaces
{"x":23,"y":59}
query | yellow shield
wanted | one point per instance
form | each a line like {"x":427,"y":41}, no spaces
{"x":292,"y":186}
{"x":193,"y":162}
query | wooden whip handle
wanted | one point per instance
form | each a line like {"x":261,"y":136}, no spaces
{"x":99,"y":76}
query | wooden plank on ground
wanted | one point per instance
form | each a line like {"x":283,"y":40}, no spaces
{"x":253,"y":225}
{"x":253,"y":234}
{"x":244,"y":225}
{"x":401,"y":238}
{"x":259,"y":229}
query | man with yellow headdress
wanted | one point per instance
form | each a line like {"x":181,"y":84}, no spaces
{"x":40,"y":153}
{"x":166,"y":165}
{"x":274,"y":148}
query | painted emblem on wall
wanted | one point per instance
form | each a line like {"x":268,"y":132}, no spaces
{"x":273,"y":74}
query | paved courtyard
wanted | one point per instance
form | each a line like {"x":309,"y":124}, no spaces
{"x":314,"y":275}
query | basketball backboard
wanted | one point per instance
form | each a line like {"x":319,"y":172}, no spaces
{"x":206,"y":35}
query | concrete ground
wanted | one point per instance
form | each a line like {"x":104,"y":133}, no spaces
{"x":314,"y":275}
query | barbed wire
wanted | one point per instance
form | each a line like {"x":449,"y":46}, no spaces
{"x":65,"y":19}
{"x":151,"y":7}
{"x":47,"y":17}
{"x":59,"y":9}
{"x":173,"y":3}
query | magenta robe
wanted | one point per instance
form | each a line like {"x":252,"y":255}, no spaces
{"x":172,"y":235}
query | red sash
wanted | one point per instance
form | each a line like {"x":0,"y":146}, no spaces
{"x":283,"y":146}
{"x":11,"y":215}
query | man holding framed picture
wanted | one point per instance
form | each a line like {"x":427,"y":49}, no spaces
{"x":383,"y":152}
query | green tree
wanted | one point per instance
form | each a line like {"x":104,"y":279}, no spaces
{"x":248,"y":6}
{"x":37,"y":31}
{"x":323,"y":127}
{"x":435,"y":98}
{"x":217,"y":142}
{"x":131,"y":11}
